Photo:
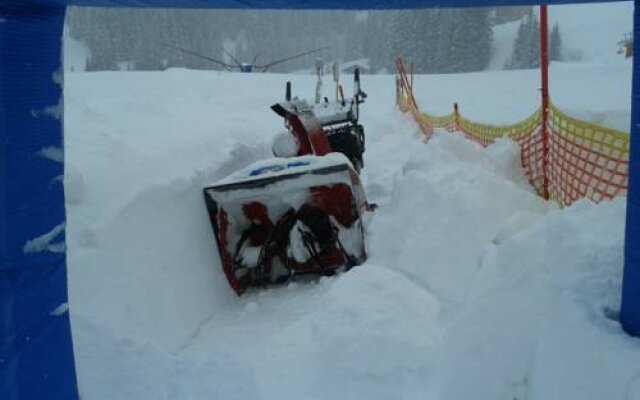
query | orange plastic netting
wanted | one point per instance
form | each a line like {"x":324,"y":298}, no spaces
{"x":579,"y":159}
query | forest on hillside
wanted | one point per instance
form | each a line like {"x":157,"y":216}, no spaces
{"x":436,"y":40}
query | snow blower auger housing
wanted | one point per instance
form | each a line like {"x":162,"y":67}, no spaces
{"x":283,"y":218}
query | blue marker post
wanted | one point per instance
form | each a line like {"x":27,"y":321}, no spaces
{"x":630,"y":309}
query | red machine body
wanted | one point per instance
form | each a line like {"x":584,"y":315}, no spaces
{"x":283,"y":218}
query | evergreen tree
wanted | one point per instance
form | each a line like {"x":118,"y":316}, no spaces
{"x":400,"y":30}
{"x":377,"y":43}
{"x":555,"y":44}
{"x":526,"y":48}
{"x":474,"y":40}
{"x":436,"y":40}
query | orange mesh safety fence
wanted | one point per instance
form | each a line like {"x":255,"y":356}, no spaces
{"x":526,"y":133}
{"x":407,"y":103}
{"x":584,"y":160}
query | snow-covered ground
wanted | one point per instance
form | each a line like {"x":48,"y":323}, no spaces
{"x":598,"y":93}
{"x":474,"y":288}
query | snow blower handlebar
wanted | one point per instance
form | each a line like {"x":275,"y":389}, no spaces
{"x":359,"y":94}
{"x":323,"y":127}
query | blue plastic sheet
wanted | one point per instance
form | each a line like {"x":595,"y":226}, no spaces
{"x":310,"y":4}
{"x":630,"y":310}
{"x":36,"y":357}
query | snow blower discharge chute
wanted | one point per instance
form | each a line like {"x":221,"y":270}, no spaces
{"x":300,"y":214}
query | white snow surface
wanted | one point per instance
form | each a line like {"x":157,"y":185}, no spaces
{"x":274,"y":167}
{"x":596,"y":93}
{"x":590,"y":32}
{"x":475,"y":288}
{"x":44,"y":242}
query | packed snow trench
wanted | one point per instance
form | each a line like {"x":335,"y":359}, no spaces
{"x":475,"y":288}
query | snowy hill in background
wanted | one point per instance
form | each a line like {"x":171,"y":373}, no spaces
{"x":590,"y":33}
{"x":504,"y":35}
{"x":599,"y":94}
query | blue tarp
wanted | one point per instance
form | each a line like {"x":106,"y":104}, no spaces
{"x":36,"y":356}
{"x":305,"y":4}
{"x":630,"y":310}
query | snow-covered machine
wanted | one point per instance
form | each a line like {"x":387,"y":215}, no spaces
{"x":338,"y":121}
{"x":299,"y":214}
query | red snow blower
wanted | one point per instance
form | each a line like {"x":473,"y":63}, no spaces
{"x":299,"y":215}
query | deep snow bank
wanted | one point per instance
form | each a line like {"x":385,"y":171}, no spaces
{"x":446,"y":205}
{"x":535,"y":323}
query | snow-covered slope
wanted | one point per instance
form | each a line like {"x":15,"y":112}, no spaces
{"x":597,"y":93}
{"x":504,"y":36}
{"x":589,"y":32}
{"x":474,"y":289}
